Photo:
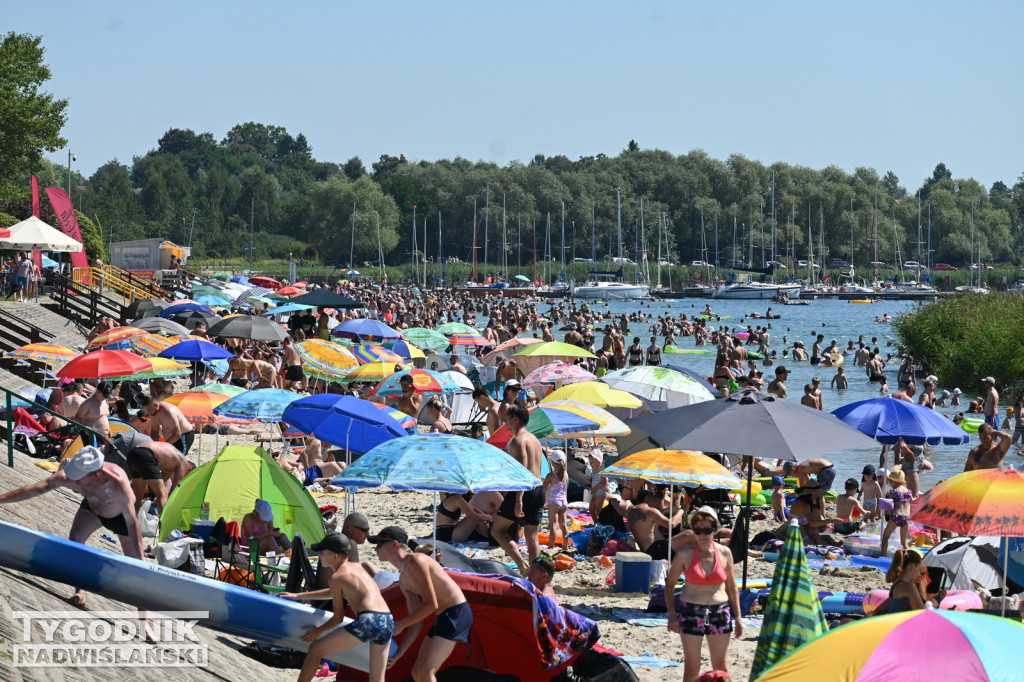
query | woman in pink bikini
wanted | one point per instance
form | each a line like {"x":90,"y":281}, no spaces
{"x":706,"y":599}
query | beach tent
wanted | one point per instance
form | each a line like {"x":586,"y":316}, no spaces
{"x":232,"y":482}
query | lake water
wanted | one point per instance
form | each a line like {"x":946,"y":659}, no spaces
{"x":839,"y":320}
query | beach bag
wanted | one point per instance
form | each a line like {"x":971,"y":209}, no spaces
{"x":598,"y":666}
{"x":149,"y":523}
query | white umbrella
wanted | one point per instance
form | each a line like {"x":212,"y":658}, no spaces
{"x":32,"y":234}
{"x":662,"y":388}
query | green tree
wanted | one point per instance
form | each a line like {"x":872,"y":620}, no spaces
{"x":354,"y":168}
{"x":30,"y":120}
{"x":331,"y":217}
{"x":891,"y":182}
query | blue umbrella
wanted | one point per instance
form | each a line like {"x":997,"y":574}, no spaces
{"x":183,"y":308}
{"x":702,"y":380}
{"x":265,"y":404}
{"x":346,"y":421}
{"x":889,"y":420}
{"x":288,"y":308}
{"x":363,"y":329}
{"x":403,"y":348}
{"x":240,"y":279}
{"x":49,"y":263}
{"x":195,"y":349}
{"x":438,"y":462}
{"x":211,"y":301}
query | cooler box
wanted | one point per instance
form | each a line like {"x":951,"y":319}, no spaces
{"x":633,"y":572}
{"x":203,"y":528}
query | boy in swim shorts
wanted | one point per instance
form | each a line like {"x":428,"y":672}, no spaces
{"x":374,"y":622}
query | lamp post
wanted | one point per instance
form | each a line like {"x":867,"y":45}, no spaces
{"x":71,"y":157}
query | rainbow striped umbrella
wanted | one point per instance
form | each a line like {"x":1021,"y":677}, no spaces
{"x":366,"y":353}
{"x":401,"y":417}
{"x":198,"y":406}
{"x":149,"y":345}
{"x":371,"y":373}
{"x":114,"y":335}
{"x":468,"y":339}
{"x":49,"y":353}
{"x":610,"y":424}
{"x":548,"y":422}
{"x":674,"y":467}
{"x":159,"y":368}
{"x":913,"y":645}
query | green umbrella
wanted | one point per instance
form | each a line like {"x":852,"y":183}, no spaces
{"x":222,"y":275}
{"x":793,"y":615}
{"x":224,"y":389}
{"x":204,"y":290}
{"x":427,"y":339}
{"x":450,"y":328}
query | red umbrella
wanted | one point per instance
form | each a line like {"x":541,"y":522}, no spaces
{"x":104,"y":363}
{"x":268,"y":282}
{"x":288,"y":291}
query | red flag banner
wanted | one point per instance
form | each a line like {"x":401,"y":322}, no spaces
{"x":68,"y":222}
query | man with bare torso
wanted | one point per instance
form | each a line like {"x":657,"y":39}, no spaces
{"x":521,"y":507}
{"x":94,"y":411}
{"x":74,"y":396}
{"x":778,"y":384}
{"x":240,"y":368}
{"x":428,"y":590}
{"x":988,"y":454}
{"x":646,"y":518}
{"x":991,"y":407}
{"x":410,"y":402}
{"x":150,"y":463}
{"x":167,"y":422}
{"x":490,"y":407}
{"x":109,"y":502}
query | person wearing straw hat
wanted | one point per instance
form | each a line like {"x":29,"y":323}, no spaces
{"x":108,"y":502}
{"x":900,"y":518}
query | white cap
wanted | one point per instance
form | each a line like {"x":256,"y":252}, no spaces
{"x":597,"y":453}
{"x":932,"y":378}
{"x":557,"y":456}
{"x":88,"y":460}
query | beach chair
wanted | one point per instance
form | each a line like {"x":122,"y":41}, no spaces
{"x":259,"y":581}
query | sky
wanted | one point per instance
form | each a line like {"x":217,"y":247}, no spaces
{"x":897,"y":86}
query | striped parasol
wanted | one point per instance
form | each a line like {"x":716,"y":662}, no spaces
{"x":114,"y":335}
{"x":401,"y":417}
{"x":405,"y":349}
{"x":49,"y":353}
{"x":149,"y":345}
{"x":674,"y":467}
{"x":371,"y":373}
{"x":793,"y":615}
{"x":468,"y":339}
{"x":368,"y":353}
{"x":159,"y":368}
{"x":592,"y":421}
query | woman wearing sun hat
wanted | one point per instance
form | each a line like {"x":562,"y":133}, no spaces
{"x":900,"y":518}
{"x":710,"y":602}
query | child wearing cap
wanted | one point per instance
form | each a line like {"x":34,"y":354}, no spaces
{"x":556,"y":487}
{"x":869,"y":493}
{"x":779,"y":511}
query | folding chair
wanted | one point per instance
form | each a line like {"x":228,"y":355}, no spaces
{"x":256,"y":569}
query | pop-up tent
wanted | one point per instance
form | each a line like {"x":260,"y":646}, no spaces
{"x":232,"y":482}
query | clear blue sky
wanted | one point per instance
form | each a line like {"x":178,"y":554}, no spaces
{"x":894,"y":86}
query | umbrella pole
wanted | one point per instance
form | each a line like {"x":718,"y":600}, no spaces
{"x":1006,"y":564}
{"x":671,"y":527}
{"x":745,"y":532}
{"x":435,"y":526}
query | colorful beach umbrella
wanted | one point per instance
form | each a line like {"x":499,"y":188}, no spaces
{"x":114,"y":335}
{"x":546,"y":423}
{"x":230,"y":390}
{"x":533,"y":356}
{"x":980,"y":502}
{"x":365,"y":353}
{"x":793,"y":616}
{"x":318,"y":351}
{"x":660,"y":387}
{"x":405,"y":349}
{"x":371,"y":373}
{"x":913,"y":645}
{"x":262,"y":404}
{"x":198,"y":406}
{"x":102,"y":364}
{"x":449,"y":328}
{"x":402,"y":418}
{"x":506,"y":348}
{"x":48,"y":353}
{"x":365,"y":329}
{"x":619,"y":403}
{"x":427,"y":339}
{"x":423,"y":381}
{"x":158,"y":369}
{"x":556,"y":373}
{"x":674,"y":467}
{"x":610,"y":424}
{"x":468,"y":339}
{"x":437,"y":462}
{"x":149,"y":345}
{"x":889,"y":420}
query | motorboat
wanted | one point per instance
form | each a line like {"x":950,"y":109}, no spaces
{"x":756,"y":290}
{"x":607,"y":290}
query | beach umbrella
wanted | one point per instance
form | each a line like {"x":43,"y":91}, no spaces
{"x":159,"y":325}
{"x":345,"y":421}
{"x":288,"y":291}
{"x":463,"y":382}
{"x":114,"y":335}
{"x":437,"y":462}
{"x":249,"y":293}
{"x":427,"y":339}
{"x":324,"y":298}
{"x":674,"y":467}
{"x":32,"y":234}
{"x":198,"y":406}
{"x":158,"y":369}
{"x":540,"y":379}
{"x":402,"y":418}
{"x":968,"y":561}
{"x":268,"y":282}
{"x":364,"y":329}
{"x":505,"y":349}
{"x":793,"y":614}
{"x":370,"y":373}
{"x":102,"y":364}
{"x":48,"y":353}
{"x":365,"y":353}
{"x":566,"y":419}
{"x":449,"y":328}
{"x":184,"y":307}
{"x":262,"y":404}
{"x":49,"y":263}
{"x":522,"y":278}
{"x":423,"y":381}
{"x":213,"y":301}
{"x":913,"y":645}
{"x":535,"y":355}
{"x":195,"y":349}
{"x":405,"y":349}
{"x":323,"y":352}
{"x":149,"y":345}
{"x":230,"y":390}
{"x":468,"y":339}
{"x":610,"y":424}
{"x":889,"y":420}
{"x":141,"y":305}
{"x":248,"y":327}
{"x":206,"y":290}
{"x":189,"y":319}
{"x":287,"y":308}
{"x":696,"y":376}
{"x":660,"y":387}
{"x":240,"y":279}
{"x":619,"y":403}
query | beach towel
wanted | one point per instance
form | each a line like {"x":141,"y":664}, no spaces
{"x":649,"y":660}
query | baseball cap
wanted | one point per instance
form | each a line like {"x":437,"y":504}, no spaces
{"x":988,"y":380}
{"x":388,"y":534}
{"x":781,"y":369}
{"x":88,"y":460}
{"x":263,"y":510}
{"x":335,"y":542}
{"x":557,"y":456}
{"x":778,"y":480}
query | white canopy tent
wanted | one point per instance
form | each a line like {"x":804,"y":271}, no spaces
{"x":32,"y":234}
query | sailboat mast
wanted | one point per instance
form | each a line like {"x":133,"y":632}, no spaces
{"x":474,"y":241}
{"x":487,"y":225}
{"x":661,"y":232}
{"x":593,"y":232}
{"x":618,"y":221}
{"x":504,"y":237}
{"x":563,"y":240}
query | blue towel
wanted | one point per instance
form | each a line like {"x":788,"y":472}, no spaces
{"x":651,"y":661}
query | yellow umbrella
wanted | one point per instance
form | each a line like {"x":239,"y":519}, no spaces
{"x":371,"y":372}
{"x":596,"y":393}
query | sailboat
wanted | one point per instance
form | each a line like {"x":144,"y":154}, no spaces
{"x":606,"y":286}
{"x":702,"y":290}
{"x":660,"y":291}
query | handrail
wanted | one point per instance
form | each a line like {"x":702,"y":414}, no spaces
{"x":5,"y":313}
{"x":8,"y":393}
{"x":75,"y":297}
{"x":86,"y":277}
{"x":150,"y":287}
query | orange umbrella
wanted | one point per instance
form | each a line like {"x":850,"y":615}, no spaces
{"x":113,"y":336}
{"x":102,"y":364}
{"x":288,"y":291}
{"x":197,"y":406}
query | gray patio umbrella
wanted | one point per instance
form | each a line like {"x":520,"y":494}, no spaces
{"x":322,"y":298}
{"x":248,"y":327}
{"x":752,"y":423}
{"x":160,"y":325}
{"x":190,"y":318}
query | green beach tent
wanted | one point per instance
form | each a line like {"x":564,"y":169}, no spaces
{"x":232,"y":482}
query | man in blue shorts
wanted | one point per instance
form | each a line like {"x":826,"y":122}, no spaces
{"x":428,"y":590}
